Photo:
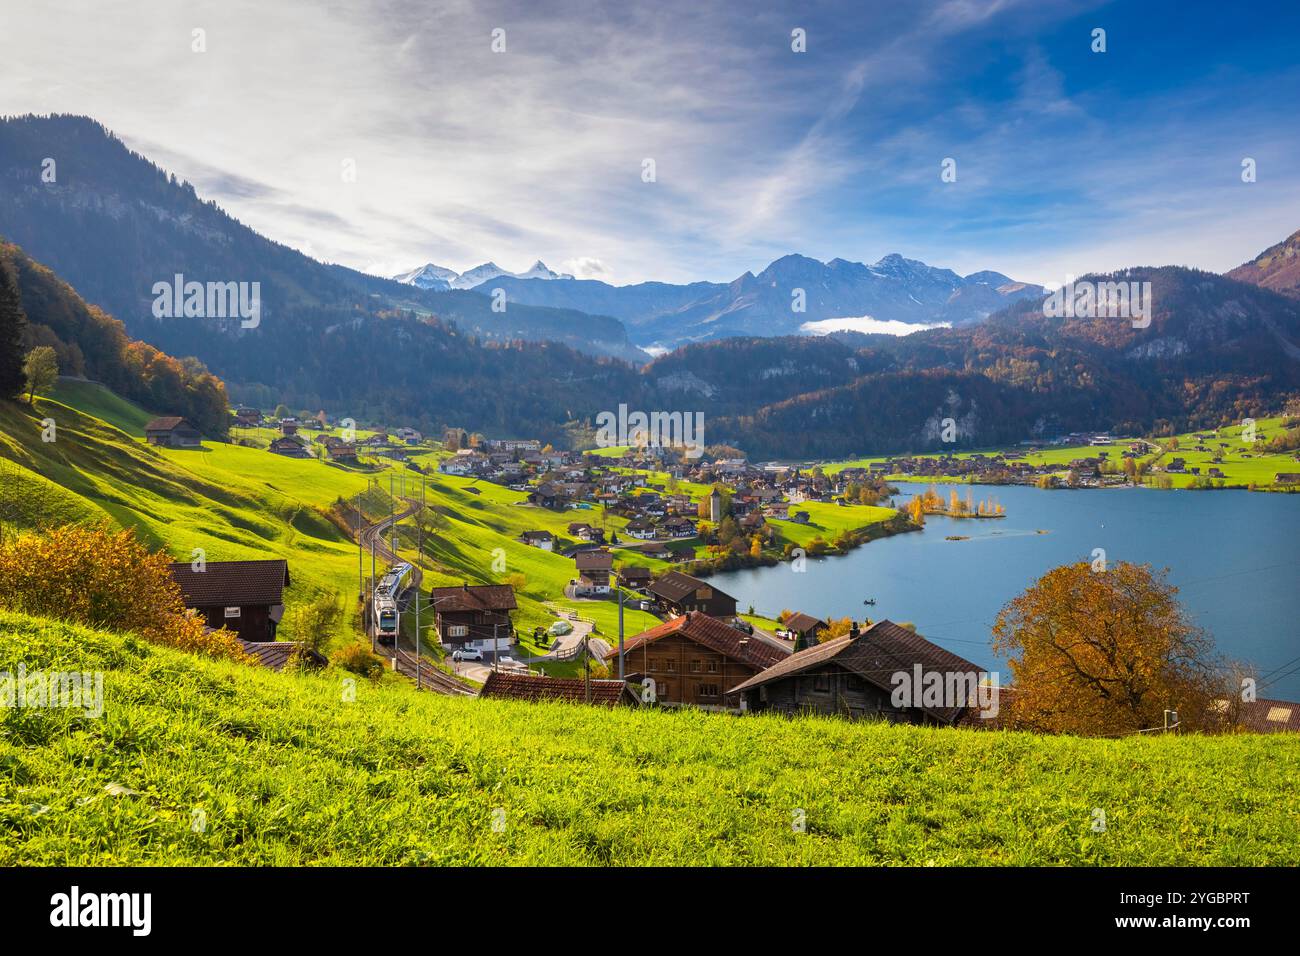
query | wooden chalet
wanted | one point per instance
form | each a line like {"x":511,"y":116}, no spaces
{"x":172,"y":432}
{"x":573,"y":690}
{"x":548,"y":495}
{"x":640,"y":528}
{"x":585,"y":532}
{"x":654,"y":549}
{"x":474,"y":615}
{"x":246,"y":597}
{"x":680,"y":593}
{"x":343,"y":452}
{"x":289,"y":448}
{"x":854,"y":676}
{"x":696,"y":660}
{"x":635,"y":576}
{"x":804,"y":627}
{"x":538,"y":539}
{"x":594,"y":569}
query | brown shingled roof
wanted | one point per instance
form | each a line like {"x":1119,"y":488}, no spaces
{"x":275,"y":654}
{"x":804,"y":623}
{"x":232,"y":583}
{"x":673,"y":586}
{"x":1265,"y":716}
{"x":593,"y":560}
{"x":604,"y":693}
{"x":474,"y":597}
{"x":714,"y":634}
{"x":167,"y":423}
{"x":875,"y":655}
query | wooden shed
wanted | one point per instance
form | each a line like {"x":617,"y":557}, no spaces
{"x":172,"y":432}
{"x":246,"y":597}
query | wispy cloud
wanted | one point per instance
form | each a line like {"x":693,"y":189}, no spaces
{"x":462,"y":154}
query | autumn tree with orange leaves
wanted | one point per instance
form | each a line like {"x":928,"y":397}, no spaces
{"x":1107,"y":652}
{"x":106,"y":580}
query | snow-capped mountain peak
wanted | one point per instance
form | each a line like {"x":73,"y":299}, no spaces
{"x":428,"y":276}
{"x":436,"y":277}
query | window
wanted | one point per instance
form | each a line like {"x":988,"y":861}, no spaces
{"x":670,"y":665}
{"x":664,"y":691}
{"x":821,"y":684}
{"x":232,"y":612}
{"x":713,"y":667}
{"x":695,"y":667}
{"x":458,"y":630}
{"x":708,"y":690}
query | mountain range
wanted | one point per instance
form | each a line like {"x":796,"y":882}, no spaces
{"x":793,"y":295}
{"x":1217,"y":348}
{"x":113,"y":224}
{"x":440,"y":279}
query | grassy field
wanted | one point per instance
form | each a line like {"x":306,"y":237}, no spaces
{"x":203,"y":762}
{"x":231,"y":502}
{"x":238,"y":502}
{"x":1244,"y":462}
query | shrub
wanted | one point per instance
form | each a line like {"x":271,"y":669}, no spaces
{"x":105,"y":580}
{"x":314,"y":622}
{"x":360,"y":659}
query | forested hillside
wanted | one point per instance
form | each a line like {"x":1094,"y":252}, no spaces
{"x":91,"y":344}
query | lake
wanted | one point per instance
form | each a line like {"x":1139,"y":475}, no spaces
{"x":1234,"y":556}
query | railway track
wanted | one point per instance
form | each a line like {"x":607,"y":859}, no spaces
{"x":405,"y":661}
{"x":428,"y":676}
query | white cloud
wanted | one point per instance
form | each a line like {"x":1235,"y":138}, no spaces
{"x":586,"y":267}
{"x":463,"y":155}
{"x":866,"y":324}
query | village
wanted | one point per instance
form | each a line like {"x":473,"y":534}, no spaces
{"x":643,"y":529}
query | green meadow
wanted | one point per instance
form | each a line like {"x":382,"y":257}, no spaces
{"x":199,"y":762}
{"x":241,"y":502}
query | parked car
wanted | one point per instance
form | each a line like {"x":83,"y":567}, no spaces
{"x":467,"y":654}
{"x":742,"y":625}
{"x":560,"y":628}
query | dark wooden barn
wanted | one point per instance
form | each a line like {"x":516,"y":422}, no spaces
{"x":246,"y":597}
{"x":172,"y":432}
{"x":855,"y":677}
{"x":680,"y":593}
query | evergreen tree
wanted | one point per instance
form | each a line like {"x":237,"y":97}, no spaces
{"x":12,"y":324}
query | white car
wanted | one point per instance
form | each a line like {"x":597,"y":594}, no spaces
{"x":560,"y":628}
{"x":467,"y":654}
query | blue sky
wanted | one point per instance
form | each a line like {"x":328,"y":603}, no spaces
{"x":1067,"y":160}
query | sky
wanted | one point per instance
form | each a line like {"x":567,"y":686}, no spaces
{"x":1066,"y":160}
